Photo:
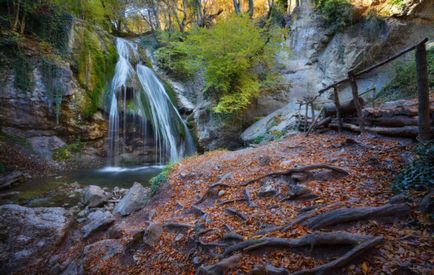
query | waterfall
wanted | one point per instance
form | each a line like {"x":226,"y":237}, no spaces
{"x":140,"y":109}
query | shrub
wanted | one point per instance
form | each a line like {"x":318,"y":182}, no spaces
{"x":404,"y":84}
{"x":68,"y":151}
{"x":160,"y":178}
{"x":337,"y":13}
{"x":172,"y":59}
{"x":419,"y":174}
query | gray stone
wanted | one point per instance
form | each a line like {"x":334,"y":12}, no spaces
{"x":28,"y":233}
{"x":427,"y":203}
{"x":298,"y":191}
{"x":135,"y":199}
{"x":152,"y":233}
{"x":94,"y":196}
{"x":98,"y":220}
{"x":268,"y":189}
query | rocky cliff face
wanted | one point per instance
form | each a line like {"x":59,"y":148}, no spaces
{"x":321,"y":55}
{"x":48,"y":100}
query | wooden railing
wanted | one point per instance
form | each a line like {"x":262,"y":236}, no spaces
{"x":422,"y":87}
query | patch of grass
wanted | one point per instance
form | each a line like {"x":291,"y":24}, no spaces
{"x":278,"y":134}
{"x":419,"y":174}
{"x":258,"y":139}
{"x":398,"y":3}
{"x":68,"y":151}
{"x":160,"y":178}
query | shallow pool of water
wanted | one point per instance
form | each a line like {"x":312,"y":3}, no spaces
{"x":115,"y":176}
{"x":57,"y":191}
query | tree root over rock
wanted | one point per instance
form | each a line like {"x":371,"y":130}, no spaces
{"x":303,"y":169}
{"x":344,"y":215}
{"x":361,"y":244}
{"x":219,"y":267}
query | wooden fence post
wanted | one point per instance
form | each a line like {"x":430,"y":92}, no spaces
{"x":305,"y":116}
{"x":338,"y":107}
{"x":423,"y":94}
{"x":356,"y":100}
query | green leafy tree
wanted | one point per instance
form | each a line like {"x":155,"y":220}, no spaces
{"x":237,"y":57}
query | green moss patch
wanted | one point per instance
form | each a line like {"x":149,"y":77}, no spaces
{"x":95,"y":68}
{"x":68,"y":151}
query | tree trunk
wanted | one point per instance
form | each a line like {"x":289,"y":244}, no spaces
{"x":423,"y":93}
{"x":346,"y":108}
{"x":17,"y":16}
{"x":338,"y":107}
{"x":237,"y":7}
{"x":251,"y":7}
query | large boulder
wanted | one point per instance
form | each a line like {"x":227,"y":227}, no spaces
{"x":26,"y":234}
{"x":135,"y":199}
{"x":94,"y":196}
{"x":98,"y":220}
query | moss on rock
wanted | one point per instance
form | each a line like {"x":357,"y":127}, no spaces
{"x":96,"y":59}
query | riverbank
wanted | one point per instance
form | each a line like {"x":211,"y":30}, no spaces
{"x":212,"y":215}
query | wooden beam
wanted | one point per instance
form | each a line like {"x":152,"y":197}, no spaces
{"x":338,"y":107}
{"x":423,"y":94}
{"x":356,"y":100}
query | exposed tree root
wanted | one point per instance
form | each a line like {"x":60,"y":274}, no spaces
{"x":343,"y":215}
{"x":361,"y":244}
{"x":236,"y":213}
{"x":248,"y":197}
{"x":298,"y":170}
{"x":218,"y":184}
{"x":232,"y":201}
{"x":175,"y":226}
{"x":219,"y":267}
{"x":344,"y":259}
{"x":195,"y":209}
{"x":232,"y":237}
{"x":316,"y":238}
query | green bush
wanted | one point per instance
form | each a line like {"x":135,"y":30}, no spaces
{"x":160,"y":178}
{"x":172,"y":59}
{"x":337,"y":13}
{"x":68,"y":151}
{"x":419,"y":174}
{"x":404,"y":84}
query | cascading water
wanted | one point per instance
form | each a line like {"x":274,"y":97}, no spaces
{"x":141,"y":114}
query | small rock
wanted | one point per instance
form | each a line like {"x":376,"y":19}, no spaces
{"x":152,"y":233}
{"x":272,"y":270}
{"x":94,"y":196}
{"x":135,"y":199}
{"x":221,"y":193}
{"x":98,"y":220}
{"x":298,"y":190}
{"x":268,"y":189}
{"x":179,"y":237}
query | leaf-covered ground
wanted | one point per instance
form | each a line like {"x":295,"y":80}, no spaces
{"x":371,"y":164}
